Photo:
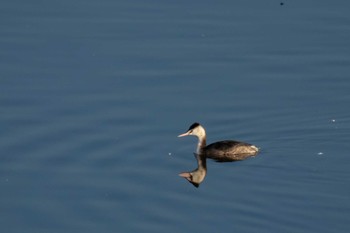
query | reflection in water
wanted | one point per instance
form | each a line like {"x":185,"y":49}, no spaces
{"x":223,"y":151}
{"x":196,"y":176}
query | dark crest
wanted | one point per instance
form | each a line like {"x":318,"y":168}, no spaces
{"x":194,"y":125}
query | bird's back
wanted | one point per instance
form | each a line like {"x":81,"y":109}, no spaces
{"x":230,"y":150}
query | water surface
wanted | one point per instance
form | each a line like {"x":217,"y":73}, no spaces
{"x":93,"y":95}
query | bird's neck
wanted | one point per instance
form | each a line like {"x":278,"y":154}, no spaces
{"x":201,"y":144}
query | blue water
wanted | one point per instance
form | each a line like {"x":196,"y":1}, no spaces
{"x":94,"y":93}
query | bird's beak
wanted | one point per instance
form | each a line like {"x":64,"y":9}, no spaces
{"x":186,"y":175}
{"x":182,"y":135}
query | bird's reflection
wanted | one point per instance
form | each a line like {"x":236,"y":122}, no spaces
{"x":197,"y":176}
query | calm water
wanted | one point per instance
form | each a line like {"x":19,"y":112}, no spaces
{"x":94,"y":93}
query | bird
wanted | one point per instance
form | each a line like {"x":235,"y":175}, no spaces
{"x":197,"y":176}
{"x":222,"y":151}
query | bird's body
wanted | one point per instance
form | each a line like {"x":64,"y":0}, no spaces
{"x":221,"y":151}
{"x":230,"y":150}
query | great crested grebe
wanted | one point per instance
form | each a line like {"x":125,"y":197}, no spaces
{"x":222,"y":151}
{"x":196,"y":177}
